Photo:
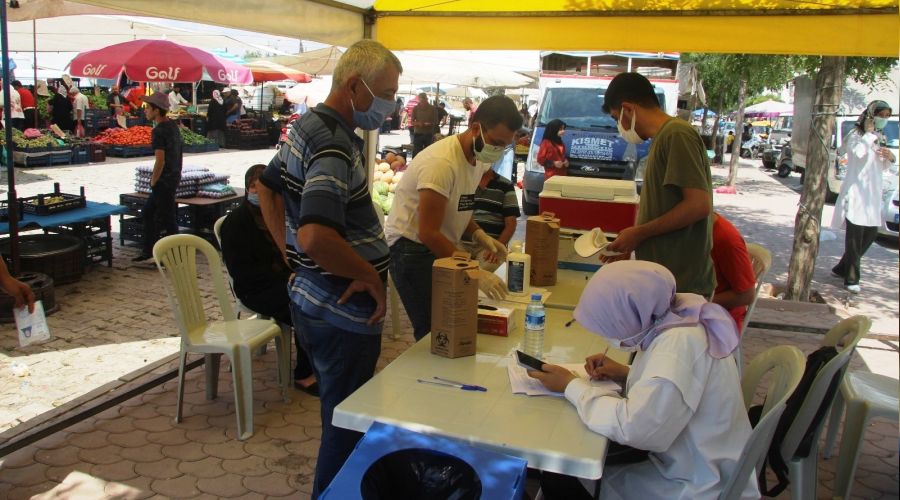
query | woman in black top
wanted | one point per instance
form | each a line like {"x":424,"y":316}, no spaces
{"x":215,"y":119}
{"x":61,"y":109}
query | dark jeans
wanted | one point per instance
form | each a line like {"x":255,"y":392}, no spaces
{"x":18,"y":123}
{"x":559,"y":486}
{"x":30,"y":118}
{"x":158,"y":213}
{"x":421,"y":141}
{"x":343,"y":361}
{"x":857,"y":241}
{"x":411,"y":269}
{"x":276,"y":304}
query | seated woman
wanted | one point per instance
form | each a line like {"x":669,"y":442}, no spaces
{"x":258,"y":270}
{"x":682,"y":401}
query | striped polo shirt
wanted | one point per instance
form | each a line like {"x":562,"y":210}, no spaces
{"x":322,"y":176}
{"x":494,"y":203}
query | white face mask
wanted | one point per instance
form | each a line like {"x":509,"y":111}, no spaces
{"x":489,"y":153}
{"x":630,"y":136}
{"x":618,"y":343}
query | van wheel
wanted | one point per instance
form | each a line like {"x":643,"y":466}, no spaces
{"x":784,"y":170}
{"x":529,"y":208}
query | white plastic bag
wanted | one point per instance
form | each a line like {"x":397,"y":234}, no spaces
{"x":32,"y":327}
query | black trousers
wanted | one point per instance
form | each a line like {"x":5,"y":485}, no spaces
{"x":276,"y":303}
{"x":158,"y":213}
{"x":559,"y":486}
{"x":857,"y":241}
{"x":30,"y":118}
{"x":421,"y":141}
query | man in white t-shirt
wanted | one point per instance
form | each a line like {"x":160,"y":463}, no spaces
{"x":18,"y":115}
{"x":434,"y":204}
{"x":176,"y":100}
{"x":79,"y":109}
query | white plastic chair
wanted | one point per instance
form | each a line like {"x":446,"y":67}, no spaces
{"x":867,"y":395}
{"x":176,"y":259}
{"x":802,"y":471}
{"x":761,"y":259}
{"x":787,"y":364}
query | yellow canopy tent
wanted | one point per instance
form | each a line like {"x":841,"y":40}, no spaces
{"x":825,"y":27}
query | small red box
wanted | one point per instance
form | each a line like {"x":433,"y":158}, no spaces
{"x":586,"y":203}
{"x":494,"y":320}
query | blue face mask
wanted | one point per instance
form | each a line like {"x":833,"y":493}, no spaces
{"x":253,"y":199}
{"x":375,"y":115}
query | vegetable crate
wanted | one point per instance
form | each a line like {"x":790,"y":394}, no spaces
{"x":52,"y":203}
{"x":43,"y":159}
{"x":80,"y":155}
{"x":129,"y":151}
{"x":200,"y":148}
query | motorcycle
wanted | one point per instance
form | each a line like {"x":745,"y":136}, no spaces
{"x":752,"y":148}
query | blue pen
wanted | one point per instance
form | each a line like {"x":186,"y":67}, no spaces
{"x":452,"y":383}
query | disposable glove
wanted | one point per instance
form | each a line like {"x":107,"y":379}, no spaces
{"x":496,"y":251}
{"x":491,"y":285}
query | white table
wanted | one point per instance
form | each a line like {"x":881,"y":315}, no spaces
{"x":546,"y":431}
{"x":567,"y":290}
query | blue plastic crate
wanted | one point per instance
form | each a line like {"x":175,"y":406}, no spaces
{"x":502,"y":476}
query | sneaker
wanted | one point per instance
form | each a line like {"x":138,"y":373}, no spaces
{"x":853,"y":288}
{"x":142,"y":259}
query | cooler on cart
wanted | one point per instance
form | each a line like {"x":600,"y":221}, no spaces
{"x":586,"y":203}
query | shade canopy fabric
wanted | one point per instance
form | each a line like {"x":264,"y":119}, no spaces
{"x":267,"y":71}
{"x":311,"y":93}
{"x":644,"y":25}
{"x":315,"y":62}
{"x":158,"y":61}
{"x":768,"y":108}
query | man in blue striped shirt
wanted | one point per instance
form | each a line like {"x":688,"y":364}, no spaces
{"x":334,"y":239}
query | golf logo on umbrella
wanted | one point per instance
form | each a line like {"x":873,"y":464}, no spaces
{"x":90,"y":70}
{"x":170,"y":74}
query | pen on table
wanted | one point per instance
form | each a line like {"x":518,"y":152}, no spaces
{"x":452,"y":383}
{"x":569,"y":323}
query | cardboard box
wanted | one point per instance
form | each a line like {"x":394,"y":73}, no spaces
{"x":586,"y":203}
{"x":542,"y":244}
{"x":454,"y":306}
{"x":496,"y":320}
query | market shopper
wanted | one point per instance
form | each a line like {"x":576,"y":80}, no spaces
{"x":552,"y":153}
{"x":318,"y":190}
{"x":259,"y":275}
{"x":674,"y":224}
{"x":859,"y":202}
{"x":434,"y":204}
{"x":215,"y":119}
{"x":80,"y":106}
{"x":15,"y":105}
{"x":60,"y":108}
{"x":735,"y":278}
{"x":681,"y":406}
{"x":159,"y":210}
{"x":424,"y":116}
{"x":470,"y":108}
{"x":115,"y":102}
{"x":29,"y":105}
{"x":497,"y":212}
{"x":233,"y":106}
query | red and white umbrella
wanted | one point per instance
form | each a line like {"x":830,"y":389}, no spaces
{"x":158,"y":61}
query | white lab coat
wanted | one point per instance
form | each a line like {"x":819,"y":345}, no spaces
{"x":860,"y":198}
{"x":682,"y":405}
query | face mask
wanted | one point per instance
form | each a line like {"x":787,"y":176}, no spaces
{"x":630,"y":136}
{"x":253,"y":199}
{"x":880,"y":123}
{"x":617,"y":343}
{"x":377,"y":112}
{"x":488,"y":153}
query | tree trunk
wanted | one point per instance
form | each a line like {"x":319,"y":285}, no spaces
{"x":703,"y":119}
{"x":807,"y":224}
{"x":738,"y":131}
{"x":720,"y":153}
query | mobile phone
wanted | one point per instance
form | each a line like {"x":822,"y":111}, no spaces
{"x":529,"y":362}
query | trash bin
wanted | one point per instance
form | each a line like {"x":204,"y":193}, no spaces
{"x":390,"y":462}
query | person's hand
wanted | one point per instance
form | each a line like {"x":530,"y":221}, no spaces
{"x":885,"y":154}
{"x":554,"y":377}
{"x":558,"y":164}
{"x":496,"y":251}
{"x":19,"y":291}
{"x":625,"y":243}
{"x":491,"y":285}
{"x":375,"y":290}
{"x":600,"y":367}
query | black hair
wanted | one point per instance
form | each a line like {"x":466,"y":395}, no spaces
{"x":16,"y":83}
{"x":551,"y":133}
{"x":157,"y":108}
{"x":633,"y":88}
{"x":498,"y":109}
{"x":253,"y":173}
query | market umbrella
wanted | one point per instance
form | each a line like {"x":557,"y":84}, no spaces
{"x":312,"y":93}
{"x":268,"y":71}
{"x":768,"y":108}
{"x":158,"y":61}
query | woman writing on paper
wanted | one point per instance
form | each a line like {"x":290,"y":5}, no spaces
{"x":682,"y":401}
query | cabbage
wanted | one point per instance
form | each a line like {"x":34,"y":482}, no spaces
{"x":380,"y":187}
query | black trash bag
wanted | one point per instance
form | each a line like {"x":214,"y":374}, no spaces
{"x":415,"y":474}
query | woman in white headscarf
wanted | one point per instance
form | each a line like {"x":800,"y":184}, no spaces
{"x":215,"y":119}
{"x":682,"y":401}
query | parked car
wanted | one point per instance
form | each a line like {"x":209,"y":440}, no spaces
{"x":890,"y":216}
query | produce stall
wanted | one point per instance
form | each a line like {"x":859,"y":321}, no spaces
{"x":246,"y":133}
{"x":126,"y":142}
{"x":385,"y":180}
{"x":196,"y":143}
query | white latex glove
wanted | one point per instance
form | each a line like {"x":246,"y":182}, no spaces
{"x":496,"y":251}
{"x":491,"y":285}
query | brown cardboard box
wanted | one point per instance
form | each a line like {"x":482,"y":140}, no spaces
{"x":542,"y":244}
{"x":454,"y":306}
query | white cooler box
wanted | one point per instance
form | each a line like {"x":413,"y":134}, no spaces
{"x":586,"y":203}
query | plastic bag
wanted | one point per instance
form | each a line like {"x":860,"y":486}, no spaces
{"x":32,"y":327}
{"x":415,"y":474}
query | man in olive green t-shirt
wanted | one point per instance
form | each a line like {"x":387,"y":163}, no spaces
{"x":674,"y":223}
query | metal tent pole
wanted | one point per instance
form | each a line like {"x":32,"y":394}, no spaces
{"x":7,"y":129}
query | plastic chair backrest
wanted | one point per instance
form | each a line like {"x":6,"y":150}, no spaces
{"x":787,"y":364}
{"x":217,"y":229}
{"x":176,"y":259}
{"x":851,"y":331}
{"x":761,"y":259}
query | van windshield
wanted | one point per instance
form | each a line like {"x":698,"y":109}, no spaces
{"x":580,"y":108}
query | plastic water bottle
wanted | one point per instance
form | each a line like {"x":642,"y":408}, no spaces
{"x":534,"y":327}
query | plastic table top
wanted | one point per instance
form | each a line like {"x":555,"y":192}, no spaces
{"x":567,"y":290}
{"x":93,"y":210}
{"x":544,"y":430}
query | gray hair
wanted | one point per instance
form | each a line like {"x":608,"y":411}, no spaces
{"x":365,"y":58}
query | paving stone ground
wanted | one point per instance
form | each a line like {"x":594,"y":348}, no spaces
{"x":117,"y":319}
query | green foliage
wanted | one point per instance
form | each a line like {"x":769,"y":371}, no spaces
{"x":865,"y":70}
{"x":762,"y":98}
